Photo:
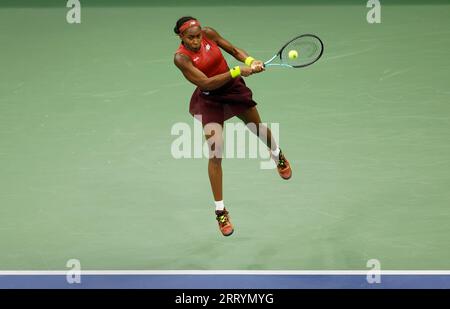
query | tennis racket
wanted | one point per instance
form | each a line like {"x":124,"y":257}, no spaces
{"x":307,"y":47}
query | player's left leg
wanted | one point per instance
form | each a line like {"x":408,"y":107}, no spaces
{"x":252,"y":119}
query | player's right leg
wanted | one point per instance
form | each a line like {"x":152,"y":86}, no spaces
{"x":214,"y":137}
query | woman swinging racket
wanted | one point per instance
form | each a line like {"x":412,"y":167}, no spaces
{"x":221,"y":93}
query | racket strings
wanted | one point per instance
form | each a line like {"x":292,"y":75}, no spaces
{"x":308,"y":50}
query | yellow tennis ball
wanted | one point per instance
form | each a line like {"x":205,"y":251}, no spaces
{"x":293,"y":54}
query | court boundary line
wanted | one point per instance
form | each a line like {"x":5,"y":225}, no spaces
{"x":224,"y":272}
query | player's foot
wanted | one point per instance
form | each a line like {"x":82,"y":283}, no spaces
{"x":225,"y":225}
{"x":283,"y":166}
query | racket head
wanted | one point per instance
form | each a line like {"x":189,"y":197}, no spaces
{"x":309,"y":48}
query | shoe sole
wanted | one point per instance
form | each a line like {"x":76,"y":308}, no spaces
{"x":229,"y":234}
{"x":286,"y":178}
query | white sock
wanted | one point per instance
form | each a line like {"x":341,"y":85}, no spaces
{"x":219,"y":205}
{"x":276,"y":152}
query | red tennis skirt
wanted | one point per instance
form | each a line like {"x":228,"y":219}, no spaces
{"x":221,"y":104}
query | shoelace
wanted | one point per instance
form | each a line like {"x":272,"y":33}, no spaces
{"x":222,"y":218}
{"x":281,"y":161}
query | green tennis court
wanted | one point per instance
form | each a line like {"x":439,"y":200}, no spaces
{"x":86,"y":112}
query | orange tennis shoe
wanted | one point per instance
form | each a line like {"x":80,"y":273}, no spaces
{"x":283,"y":166}
{"x":223,"y":219}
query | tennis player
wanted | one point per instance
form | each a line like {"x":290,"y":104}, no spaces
{"x":221,"y":93}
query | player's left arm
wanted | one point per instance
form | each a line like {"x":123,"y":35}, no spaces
{"x":234,"y":51}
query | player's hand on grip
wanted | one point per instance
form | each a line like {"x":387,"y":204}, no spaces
{"x":246,"y":71}
{"x":257,"y":66}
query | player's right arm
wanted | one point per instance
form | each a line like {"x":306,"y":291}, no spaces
{"x":199,"y":79}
